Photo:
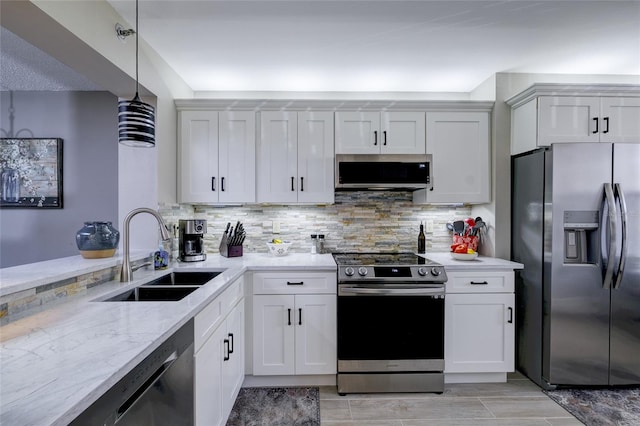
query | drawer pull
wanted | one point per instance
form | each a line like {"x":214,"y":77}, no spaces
{"x":226,"y":349}
{"x":230,"y":343}
{"x":289,"y":316}
{"x":295,"y":283}
{"x":510,"y":309}
{"x":299,"y":316}
{"x":479,"y":283}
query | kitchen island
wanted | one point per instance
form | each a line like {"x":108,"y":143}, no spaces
{"x":58,"y":360}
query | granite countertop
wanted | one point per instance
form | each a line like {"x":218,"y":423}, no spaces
{"x":58,"y":361}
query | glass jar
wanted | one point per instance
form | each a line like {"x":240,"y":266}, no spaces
{"x":97,"y":240}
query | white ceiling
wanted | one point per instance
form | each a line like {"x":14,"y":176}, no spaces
{"x":351,"y":45}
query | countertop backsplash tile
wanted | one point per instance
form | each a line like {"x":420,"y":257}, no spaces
{"x":358,"y":221}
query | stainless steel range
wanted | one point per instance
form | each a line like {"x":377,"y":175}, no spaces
{"x":390,"y":323}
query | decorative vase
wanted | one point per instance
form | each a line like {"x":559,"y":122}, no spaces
{"x":10,"y":185}
{"x":97,"y":240}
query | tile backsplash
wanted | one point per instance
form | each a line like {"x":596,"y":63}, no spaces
{"x":358,"y":221}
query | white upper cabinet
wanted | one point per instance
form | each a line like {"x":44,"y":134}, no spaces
{"x":547,"y":114}
{"x":620,"y":120}
{"x":380,"y":133}
{"x":216,"y":157}
{"x":458,"y":143}
{"x":295,"y":157}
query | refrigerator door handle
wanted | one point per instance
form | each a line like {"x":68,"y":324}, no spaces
{"x":619,"y":193}
{"x":613,"y":225}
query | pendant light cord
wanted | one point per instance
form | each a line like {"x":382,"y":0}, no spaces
{"x":136,"y":48}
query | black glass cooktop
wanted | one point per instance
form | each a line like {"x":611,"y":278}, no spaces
{"x":380,"y":259}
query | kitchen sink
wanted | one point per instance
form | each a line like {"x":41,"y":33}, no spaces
{"x":184,"y":278}
{"x":156,"y":293}
{"x":167,"y":288}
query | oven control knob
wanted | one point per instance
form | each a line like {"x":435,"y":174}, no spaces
{"x":349,"y":271}
{"x":435,"y":271}
{"x":362,"y":271}
{"x":422,"y":271}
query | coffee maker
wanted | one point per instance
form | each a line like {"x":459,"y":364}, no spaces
{"x":191,"y":239}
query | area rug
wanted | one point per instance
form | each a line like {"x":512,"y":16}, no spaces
{"x":276,"y":407}
{"x":601,"y":407}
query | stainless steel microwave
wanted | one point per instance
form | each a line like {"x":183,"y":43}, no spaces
{"x":383,"y":172}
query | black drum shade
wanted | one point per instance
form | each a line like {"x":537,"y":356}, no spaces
{"x":136,"y":123}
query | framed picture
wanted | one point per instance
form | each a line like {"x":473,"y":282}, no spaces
{"x":31,"y":173}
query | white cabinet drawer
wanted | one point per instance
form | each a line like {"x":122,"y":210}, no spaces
{"x":294,"y":283}
{"x":208,"y":320}
{"x":480,"y":282}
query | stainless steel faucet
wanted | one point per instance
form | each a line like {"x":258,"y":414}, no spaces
{"x":127,"y":274}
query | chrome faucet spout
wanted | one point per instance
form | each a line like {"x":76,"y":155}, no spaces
{"x":127,"y":273}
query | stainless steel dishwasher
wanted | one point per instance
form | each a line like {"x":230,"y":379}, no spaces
{"x":157,"y":392}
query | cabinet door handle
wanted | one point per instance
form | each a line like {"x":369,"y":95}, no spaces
{"x":231,"y":343}
{"x":385,"y":138}
{"x":606,"y":121}
{"x":375,"y":137}
{"x":292,"y":181}
{"x":479,"y":283}
{"x":299,"y":316}
{"x":596,"y":120}
{"x":226,"y":349}
{"x":213,"y":183}
{"x":301,"y":183}
{"x":510,"y":309}
{"x":289,"y":316}
{"x":295,"y":283}
{"x":222,"y":184}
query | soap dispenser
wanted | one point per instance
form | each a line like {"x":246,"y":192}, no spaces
{"x":161,"y":258}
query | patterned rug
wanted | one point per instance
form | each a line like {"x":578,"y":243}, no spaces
{"x":276,"y":407}
{"x":601,"y":407}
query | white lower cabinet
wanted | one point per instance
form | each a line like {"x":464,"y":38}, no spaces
{"x":479,"y":325}
{"x":294,"y":324}
{"x":219,"y":356}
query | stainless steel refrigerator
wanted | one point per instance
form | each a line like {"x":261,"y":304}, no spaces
{"x":576,"y":229}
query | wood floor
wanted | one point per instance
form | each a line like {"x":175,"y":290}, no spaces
{"x":518,"y":402}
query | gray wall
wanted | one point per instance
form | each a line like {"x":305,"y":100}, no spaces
{"x":87,"y":122}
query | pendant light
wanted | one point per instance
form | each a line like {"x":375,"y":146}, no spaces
{"x":136,"y":119}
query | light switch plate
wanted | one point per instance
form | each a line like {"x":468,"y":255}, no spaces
{"x":429,"y":226}
{"x":276,"y":227}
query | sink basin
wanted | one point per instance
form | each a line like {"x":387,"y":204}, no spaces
{"x":167,"y":288}
{"x":157,"y":293}
{"x":184,"y":278}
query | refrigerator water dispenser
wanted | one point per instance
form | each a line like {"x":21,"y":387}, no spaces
{"x":580,"y":236}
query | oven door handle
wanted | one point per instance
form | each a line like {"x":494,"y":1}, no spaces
{"x":391,"y":291}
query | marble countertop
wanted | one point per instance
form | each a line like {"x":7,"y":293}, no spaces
{"x":57,"y":362}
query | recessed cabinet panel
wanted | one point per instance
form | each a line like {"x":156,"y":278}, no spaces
{"x":198,"y":155}
{"x":295,"y":157}
{"x":620,"y":120}
{"x":237,"y":156}
{"x":315,"y":157}
{"x":315,"y":345}
{"x":273,"y":333}
{"x":481,"y":337}
{"x":564,"y":119}
{"x":357,"y":132}
{"x":216,"y":157}
{"x":403,"y":133}
{"x":459,"y":146}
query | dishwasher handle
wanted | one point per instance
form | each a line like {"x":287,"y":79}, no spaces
{"x":157,"y":375}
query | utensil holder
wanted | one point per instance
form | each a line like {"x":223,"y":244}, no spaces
{"x":231,"y":251}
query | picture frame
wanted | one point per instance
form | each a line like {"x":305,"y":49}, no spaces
{"x":31,"y":173}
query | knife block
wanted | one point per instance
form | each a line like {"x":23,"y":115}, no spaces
{"x":231,"y":251}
